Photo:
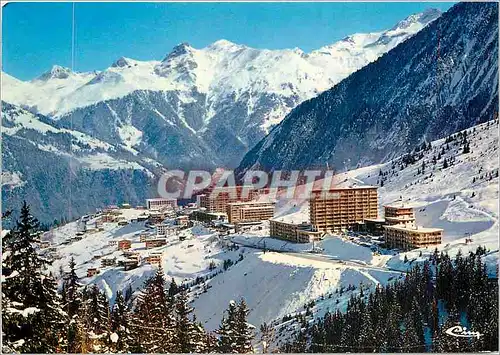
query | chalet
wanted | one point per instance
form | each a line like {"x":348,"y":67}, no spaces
{"x":108,"y":262}
{"x":154,"y":259}
{"x":130,"y":254}
{"x":92,"y":271}
{"x":109,"y":218}
{"x":145,"y":236}
{"x":166,"y":229}
{"x":154,"y":243}
{"x":124,"y":244}
{"x":182,"y":220}
{"x":129,"y":264}
{"x":156,"y":217}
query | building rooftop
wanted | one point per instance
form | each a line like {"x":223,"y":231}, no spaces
{"x":400,"y":218}
{"x":351,"y":187}
{"x":160,"y":199}
{"x":204,"y":210}
{"x":375,"y":220}
{"x":257,"y":208}
{"x":250,"y":203}
{"x":396,"y":205}
{"x":417,"y":229}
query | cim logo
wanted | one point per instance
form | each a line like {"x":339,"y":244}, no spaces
{"x":462,"y":332}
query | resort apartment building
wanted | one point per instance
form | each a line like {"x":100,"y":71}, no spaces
{"x":205,"y":216}
{"x":411,"y":237}
{"x":395,"y":215}
{"x":218,"y":199}
{"x":293,"y":232}
{"x":166,"y":229}
{"x":159,"y":203}
{"x":155,"y":243}
{"x":342,"y":208}
{"x":253,"y":211}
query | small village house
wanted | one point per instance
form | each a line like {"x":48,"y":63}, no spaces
{"x":124,"y":244}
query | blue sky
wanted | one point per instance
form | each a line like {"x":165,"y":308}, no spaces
{"x":38,"y":35}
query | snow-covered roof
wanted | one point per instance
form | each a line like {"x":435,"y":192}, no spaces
{"x":415,"y":228}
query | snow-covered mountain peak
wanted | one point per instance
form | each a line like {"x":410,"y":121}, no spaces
{"x":121,"y":62}
{"x":422,"y":18}
{"x":223,"y":70}
{"x":179,"y":50}
{"x":224,"y":44}
{"x":56,"y":72}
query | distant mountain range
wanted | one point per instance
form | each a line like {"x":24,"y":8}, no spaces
{"x":199,"y":107}
{"x":110,"y":134}
{"x":442,"y":80}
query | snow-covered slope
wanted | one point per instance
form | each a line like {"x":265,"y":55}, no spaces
{"x":60,"y":171}
{"x":223,"y":92}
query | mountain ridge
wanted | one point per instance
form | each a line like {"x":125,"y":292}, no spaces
{"x":395,"y":102}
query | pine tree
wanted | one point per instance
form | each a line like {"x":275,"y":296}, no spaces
{"x":227,"y":330}
{"x":153,"y":319}
{"x":53,"y":319}
{"x":35,"y":319}
{"x":199,"y":339}
{"x":411,"y":341}
{"x":173,"y":289}
{"x":120,"y":318}
{"x":244,"y":331}
{"x":96,"y":319}
{"x":10,"y":316}
{"x":211,"y":345}
{"x":72,"y":300}
{"x":393,"y":339}
{"x":184,"y":327}
{"x":366,"y":341}
{"x":447,"y":343}
{"x":466,"y":148}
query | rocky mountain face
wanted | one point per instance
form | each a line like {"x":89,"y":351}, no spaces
{"x":443,"y":79}
{"x":76,"y":141}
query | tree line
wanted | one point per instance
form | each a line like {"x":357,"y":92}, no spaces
{"x":413,"y":315}
{"x":40,"y":316}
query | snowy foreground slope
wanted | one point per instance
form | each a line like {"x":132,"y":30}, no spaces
{"x":286,"y":279}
